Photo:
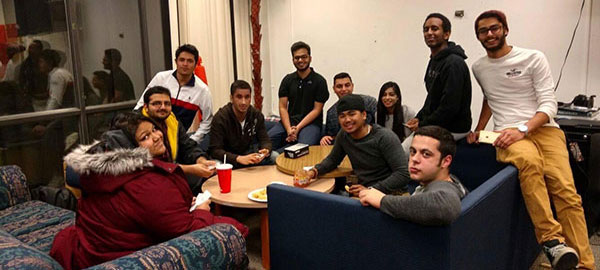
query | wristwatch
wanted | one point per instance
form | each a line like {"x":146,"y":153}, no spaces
{"x":523,"y":128}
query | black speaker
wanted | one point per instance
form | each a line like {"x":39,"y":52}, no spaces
{"x":583,"y":140}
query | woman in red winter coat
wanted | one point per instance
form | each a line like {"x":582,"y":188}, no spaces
{"x":131,"y":199}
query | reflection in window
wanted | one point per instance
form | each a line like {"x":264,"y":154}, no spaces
{"x":33,"y":55}
{"x":38,"y":149}
{"x":119,"y":85}
{"x":36,"y":74}
{"x":60,"y":81}
{"x":99,"y":123}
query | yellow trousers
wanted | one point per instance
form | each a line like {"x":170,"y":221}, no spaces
{"x":545,"y":175}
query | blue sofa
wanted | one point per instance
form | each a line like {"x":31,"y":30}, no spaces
{"x":311,"y":230}
{"x":27,"y":229}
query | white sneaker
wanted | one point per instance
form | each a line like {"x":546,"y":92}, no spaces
{"x":560,"y":255}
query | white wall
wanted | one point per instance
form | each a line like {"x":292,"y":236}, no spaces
{"x":206,"y":25}
{"x":378,"y":41}
{"x":593,"y":61}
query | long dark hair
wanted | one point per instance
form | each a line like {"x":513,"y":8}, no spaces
{"x":121,"y":133}
{"x":382,"y":112}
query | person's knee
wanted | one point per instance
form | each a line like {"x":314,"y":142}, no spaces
{"x":310,"y":134}
{"x":565,"y":197}
{"x":525,"y":159}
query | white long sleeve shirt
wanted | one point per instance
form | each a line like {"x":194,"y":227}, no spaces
{"x":516,"y":86}
{"x":58,"y":81}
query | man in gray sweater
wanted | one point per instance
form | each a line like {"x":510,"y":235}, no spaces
{"x":436,"y":201}
{"x":375,"y":152}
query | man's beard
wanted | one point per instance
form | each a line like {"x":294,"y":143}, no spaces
{"x":158,"y":118}
{"x":303,"y":69}
{"x":501,"y":43}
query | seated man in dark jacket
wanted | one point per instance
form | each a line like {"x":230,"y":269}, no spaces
{"x":436,"y":201}
{"x":238,"y":131}
{"x":181,"y":148}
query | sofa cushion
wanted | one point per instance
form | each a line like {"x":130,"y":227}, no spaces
{"x":35,"y":223}
{"x":13,"y":186}
{"x":219,"y":246}
{"x":14,"y":254}
{"x":474,"y":164}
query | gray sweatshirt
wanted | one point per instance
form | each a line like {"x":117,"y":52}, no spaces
{"x":377,"y":159}
{"x":438,"y":203}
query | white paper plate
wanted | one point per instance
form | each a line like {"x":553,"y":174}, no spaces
{"x":258,"y":189}
{"x":255,"y":199}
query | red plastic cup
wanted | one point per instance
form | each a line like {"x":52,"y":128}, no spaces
{"x":224,"y":173}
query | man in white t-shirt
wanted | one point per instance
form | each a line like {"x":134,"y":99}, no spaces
{"x":519,"y":93}
{"x":60,"y":81}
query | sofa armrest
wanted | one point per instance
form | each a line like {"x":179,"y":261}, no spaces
{"x":13,"y":186}
{"x":487,"y":233}
{"x":15,"y":254}
{"x":312,"y":230}
{"x":219,"y":246}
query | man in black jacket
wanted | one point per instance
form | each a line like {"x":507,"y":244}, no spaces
{"x":181,"y":148}
{"x":448,"y":83}
{"x":238,"y":131}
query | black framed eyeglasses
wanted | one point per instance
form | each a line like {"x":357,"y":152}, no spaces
{"x":494,"y":29}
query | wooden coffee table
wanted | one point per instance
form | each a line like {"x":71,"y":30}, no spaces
{"x":245,"y":180}
{"x":316,"y":153}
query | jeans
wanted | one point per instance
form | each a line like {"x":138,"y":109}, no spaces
{"x":310,"y":135}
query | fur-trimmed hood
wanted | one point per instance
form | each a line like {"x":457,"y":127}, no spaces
{"x":108,"y":171}
{"x":114,"y":162}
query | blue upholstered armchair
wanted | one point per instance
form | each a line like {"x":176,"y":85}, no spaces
{"x":311,"y":230}
{"x":27,"y":229}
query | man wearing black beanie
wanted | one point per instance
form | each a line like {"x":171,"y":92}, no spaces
{"x":375,"y":152}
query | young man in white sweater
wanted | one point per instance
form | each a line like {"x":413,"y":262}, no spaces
{"x":519,"y":93}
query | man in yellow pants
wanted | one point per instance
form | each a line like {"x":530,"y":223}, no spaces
{"x":519,"y":93}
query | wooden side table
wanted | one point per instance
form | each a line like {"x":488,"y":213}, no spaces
{"x":245,"y":180}
{"x":316,"y":153}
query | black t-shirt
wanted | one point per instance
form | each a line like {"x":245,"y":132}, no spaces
{"x":302,"y":95}
{"x":121,"y":82}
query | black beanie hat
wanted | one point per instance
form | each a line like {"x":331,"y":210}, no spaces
{"x":351,"y":102}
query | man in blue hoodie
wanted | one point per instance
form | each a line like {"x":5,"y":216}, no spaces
{"x":448,"y":83}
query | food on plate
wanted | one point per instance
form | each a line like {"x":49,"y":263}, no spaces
{"x":260,"y":194}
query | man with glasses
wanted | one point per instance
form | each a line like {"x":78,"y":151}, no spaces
{"x":180,"y":147}
{"x":519,"y":93}
{"x":448,"y":83}
{"x":302,"y":95}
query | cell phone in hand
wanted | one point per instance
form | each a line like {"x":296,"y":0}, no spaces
{"x":488,"y":136}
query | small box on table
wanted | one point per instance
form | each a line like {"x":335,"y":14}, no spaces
{"x":296,"y":150}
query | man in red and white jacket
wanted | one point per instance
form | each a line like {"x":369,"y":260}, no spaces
{"x":189,"y":94}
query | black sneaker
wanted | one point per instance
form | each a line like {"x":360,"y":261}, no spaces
{"x":560,"y":256}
